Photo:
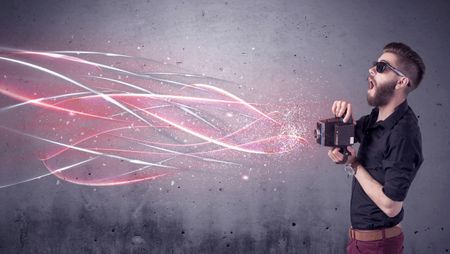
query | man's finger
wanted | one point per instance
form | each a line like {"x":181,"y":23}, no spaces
{"x":348,"y":114}
{"x":339,"y":109}
{"x":329,"y":154}
{"x":333,"y":157}
{"x":343,"y":108}
{"x":334,"y":107}
{"x":337,"y":154}
{"x":351,"y":150}
{"x":335,"y":150}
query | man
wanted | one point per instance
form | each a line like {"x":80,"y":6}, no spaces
{"x":389,"y":155}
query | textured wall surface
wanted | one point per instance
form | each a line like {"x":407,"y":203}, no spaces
{"x":276,"y":50}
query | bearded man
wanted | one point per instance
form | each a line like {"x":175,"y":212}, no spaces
{"x":389,"y":155}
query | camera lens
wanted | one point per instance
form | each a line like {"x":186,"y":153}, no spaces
{"x":317,"y":134}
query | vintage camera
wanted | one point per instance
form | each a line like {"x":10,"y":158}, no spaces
{"x":333,"y":132}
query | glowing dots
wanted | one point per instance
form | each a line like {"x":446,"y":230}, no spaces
{"x":157,"y":123}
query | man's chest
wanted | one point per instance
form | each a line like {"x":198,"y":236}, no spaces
{"x":372,"y":150}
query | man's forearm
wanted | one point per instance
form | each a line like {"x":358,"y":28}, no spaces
{"x":375,"y":192}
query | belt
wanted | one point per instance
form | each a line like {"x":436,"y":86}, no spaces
{"x":374,"y":235}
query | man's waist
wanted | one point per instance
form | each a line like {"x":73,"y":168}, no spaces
{"x":375,"y":234}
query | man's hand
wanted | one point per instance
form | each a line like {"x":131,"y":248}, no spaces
{"x":342,"y":109}
{"x":336,"y":156}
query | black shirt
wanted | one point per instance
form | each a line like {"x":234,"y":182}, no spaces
{"x":391,"y":151}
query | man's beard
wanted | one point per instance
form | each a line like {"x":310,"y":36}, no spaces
{"x":382,"y":95}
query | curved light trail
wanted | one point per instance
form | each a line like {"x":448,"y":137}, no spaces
{"x":98,"y":124}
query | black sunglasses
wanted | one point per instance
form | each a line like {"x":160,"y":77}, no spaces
{"x":381,"y":67}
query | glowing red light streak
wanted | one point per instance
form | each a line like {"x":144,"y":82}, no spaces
{"x":96,"y":135}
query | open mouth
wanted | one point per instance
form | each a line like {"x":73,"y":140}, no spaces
{"x":371,"y":83}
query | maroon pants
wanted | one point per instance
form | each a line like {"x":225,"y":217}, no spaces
{"x":392,"y":245}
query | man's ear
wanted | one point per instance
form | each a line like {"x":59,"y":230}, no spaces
{"x":402,"y":82}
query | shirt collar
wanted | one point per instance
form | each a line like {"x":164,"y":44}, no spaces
{"x":391,"y":120}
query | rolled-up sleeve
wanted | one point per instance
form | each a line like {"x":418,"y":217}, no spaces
{"x":402,"y":161}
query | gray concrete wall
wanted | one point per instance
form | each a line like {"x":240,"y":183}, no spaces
{"x":302,"y":50}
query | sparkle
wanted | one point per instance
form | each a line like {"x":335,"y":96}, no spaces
{"x":153,"y":125}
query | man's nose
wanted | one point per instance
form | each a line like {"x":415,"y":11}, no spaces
{"x":372,"y":71}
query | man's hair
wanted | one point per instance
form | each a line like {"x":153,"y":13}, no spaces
{"x":411,"y":63}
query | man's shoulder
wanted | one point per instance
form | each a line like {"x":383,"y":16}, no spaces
{"x":407,"y":127}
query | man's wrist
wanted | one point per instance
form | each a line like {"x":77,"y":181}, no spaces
{"x":352,"y":167}
{"x":355,"y":164}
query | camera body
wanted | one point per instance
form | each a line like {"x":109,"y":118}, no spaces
{"x":333,"y":132}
